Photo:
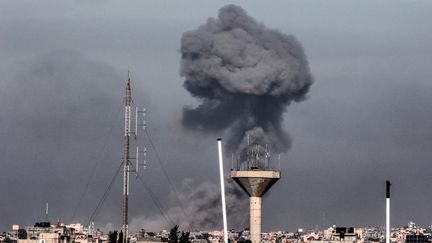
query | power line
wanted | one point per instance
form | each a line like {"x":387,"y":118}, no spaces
{"x":167,"y":177}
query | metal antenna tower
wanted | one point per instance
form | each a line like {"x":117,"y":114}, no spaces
{"x":126,"y":157}
{"x":128,"y":102}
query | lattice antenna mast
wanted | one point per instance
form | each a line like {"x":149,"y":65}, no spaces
{"x":126,"y":157}
{"x":139,"y":123}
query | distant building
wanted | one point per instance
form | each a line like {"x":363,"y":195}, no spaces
{"x":337,"y":234}
{"x":45,"y":232}
{"x":420,"y":238}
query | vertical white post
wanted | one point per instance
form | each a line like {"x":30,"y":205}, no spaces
{"x":136,"y":122}
{"x":46,"y":212}
{"x":279,"y":161}
{"x":137,"y":159}
{"x":127,"y":181}
{"x":143,"y":118}
{"x":388,"y":211}
{"x":387,"y":220}
{"x":222,"y":183}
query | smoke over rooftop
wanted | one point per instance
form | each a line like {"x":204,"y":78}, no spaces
{"x":245,"y":75}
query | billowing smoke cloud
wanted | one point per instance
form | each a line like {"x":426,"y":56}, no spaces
{"x":245,"y":75}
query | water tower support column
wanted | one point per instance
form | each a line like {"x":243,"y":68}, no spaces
{"x":255,"y":219}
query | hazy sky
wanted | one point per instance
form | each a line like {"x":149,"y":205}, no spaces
{"x":368,"y":117}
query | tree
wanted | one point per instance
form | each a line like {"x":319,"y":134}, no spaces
{"x":112,"y":236}
{"x":7,"y":240}
{"x":173,"y":235}
{"x":184,"y":238}
{"x":120,"y":238}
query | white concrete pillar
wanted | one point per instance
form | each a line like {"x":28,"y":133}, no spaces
{"x":255,"y":219}
{"x":387,"y":220}
{"x":388,"y":184}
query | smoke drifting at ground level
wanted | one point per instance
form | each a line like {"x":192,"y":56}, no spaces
{"x":202,"y":206}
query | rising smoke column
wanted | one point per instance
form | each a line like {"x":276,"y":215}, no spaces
{"x":245,"y":75}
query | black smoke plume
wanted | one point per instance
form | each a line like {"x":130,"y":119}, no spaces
{"x":245,"y":75}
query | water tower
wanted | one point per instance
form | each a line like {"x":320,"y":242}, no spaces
{"x":255,"y":176}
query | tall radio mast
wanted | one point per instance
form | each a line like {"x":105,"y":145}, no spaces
{"x":126,"y":157}
{"x":128,"y":102}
